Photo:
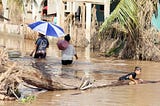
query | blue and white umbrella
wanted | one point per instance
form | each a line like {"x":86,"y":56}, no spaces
{"x":47,"y":28}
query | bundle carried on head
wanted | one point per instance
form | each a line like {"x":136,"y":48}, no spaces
{"x":63,"y":44}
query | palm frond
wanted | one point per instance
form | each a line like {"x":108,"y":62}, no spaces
{"x":125,"y":13}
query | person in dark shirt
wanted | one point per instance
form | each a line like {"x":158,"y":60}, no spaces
{"x":132,"y":76}
{"x":41,"y":45}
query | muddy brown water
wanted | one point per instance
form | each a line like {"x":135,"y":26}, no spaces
{"x":100,"y":69}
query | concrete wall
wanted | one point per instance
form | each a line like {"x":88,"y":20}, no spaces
{"x":11,"y":29}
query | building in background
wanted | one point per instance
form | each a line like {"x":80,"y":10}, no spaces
{"x":156,"y":19}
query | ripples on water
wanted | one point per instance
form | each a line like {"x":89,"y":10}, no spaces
{"x":101,"y":69}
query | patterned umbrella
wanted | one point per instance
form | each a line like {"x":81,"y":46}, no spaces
{"x":47,"y":28}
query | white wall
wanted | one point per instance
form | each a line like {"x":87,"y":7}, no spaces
{"x":52,"y":6}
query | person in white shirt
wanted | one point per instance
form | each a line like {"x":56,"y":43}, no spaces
{"x":69,"y":52}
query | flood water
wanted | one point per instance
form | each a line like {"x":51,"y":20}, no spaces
{"x":99,"y":68}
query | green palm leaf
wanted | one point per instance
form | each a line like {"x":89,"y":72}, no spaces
{"x":126,"y":15}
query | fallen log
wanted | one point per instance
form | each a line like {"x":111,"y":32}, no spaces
{"x":47,"y":81}
{"x":102,"y":84}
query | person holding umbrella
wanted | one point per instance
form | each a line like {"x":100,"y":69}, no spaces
{"x":41,"y":45}
{"x":48,"y":29}
{"x":68,"y":53}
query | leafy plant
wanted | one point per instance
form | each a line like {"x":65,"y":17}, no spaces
{"x":134,"y":17}
{"x":125,"y":14}
{"x":27,"y":99}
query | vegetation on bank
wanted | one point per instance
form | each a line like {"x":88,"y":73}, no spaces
{"x":128,"y":32}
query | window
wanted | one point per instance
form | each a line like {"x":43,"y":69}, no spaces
{"x":101,"y":8}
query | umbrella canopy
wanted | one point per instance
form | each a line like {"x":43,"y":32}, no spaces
{"x":47,"y":28}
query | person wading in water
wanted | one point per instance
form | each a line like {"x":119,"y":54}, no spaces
{"x":41,"y":45}
{"x":68,"y":53}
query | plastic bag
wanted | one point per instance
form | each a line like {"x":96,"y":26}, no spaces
{"x":62,"y":44}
